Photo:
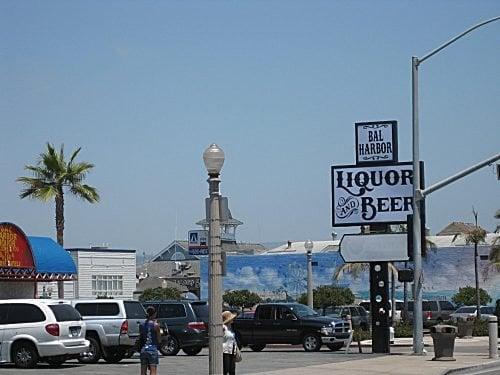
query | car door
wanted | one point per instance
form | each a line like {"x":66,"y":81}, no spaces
{"x":286,"y":326}
{"x":135,"y":315}
{"x":355,"y":317}
{"x":263,"y":325}
{"x":4,"y":355}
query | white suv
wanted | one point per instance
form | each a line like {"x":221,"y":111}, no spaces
{"x":34,"y":330}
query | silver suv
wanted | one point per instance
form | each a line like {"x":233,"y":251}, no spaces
{"x":40,"y":330}
{"x":112,"y":327}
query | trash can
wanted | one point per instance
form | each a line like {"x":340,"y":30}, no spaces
{"x":465,"y":327}
{"x":443,"y":337}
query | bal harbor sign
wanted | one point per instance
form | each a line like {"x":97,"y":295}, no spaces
{"x":371,"y":194}
{"x":376,"y":142}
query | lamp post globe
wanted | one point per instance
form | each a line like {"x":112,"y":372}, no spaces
{"x":213,"y":157}
{"x":308,"y":245}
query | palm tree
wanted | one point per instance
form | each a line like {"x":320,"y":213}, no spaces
{"x":494,"y":256}
{"x":476,"y":236}
{"x":52,"y":177}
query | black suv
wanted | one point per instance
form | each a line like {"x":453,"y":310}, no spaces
{"x":187,"y":323}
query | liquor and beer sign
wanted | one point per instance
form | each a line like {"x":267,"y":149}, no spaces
{"x":372,"y":194}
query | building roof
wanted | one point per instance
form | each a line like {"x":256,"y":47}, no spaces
{"x":50,"y":257}
{"x":176,"y":250}
{"x":101,"y":249}
{"x":298,"y":247}
{"x":455,"y":228}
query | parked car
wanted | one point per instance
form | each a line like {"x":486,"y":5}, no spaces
{"x":359,"y":316}
{"x":112,"y":327}
{"x":40,"y":330}
{"x":187,"y":323}
{"x":470,"y":312}
{"x":433,"y":312}
{"x":290,"y":323}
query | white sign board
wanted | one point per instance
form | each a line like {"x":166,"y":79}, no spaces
{"x":356,"y":248}
{"x":376,"y":142}
{"x":371,"y":194}
{"x":198,"y":242}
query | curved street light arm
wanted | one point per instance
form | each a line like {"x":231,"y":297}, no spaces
{"x":432,"y":53}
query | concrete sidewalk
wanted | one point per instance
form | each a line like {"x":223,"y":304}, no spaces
{"x":402,"y":362}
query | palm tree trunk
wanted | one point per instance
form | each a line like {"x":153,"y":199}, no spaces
{"x":60,"y":217}
{"x":60,"y":233}
{"x":476,"y":274}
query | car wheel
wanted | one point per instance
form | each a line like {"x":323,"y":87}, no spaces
{"x":55,"y":361}
{"x":93,"y":354}
{"x":257,"y":347}
{"x":114,"y":355}
{"x":170,"y":346}
{"x":335,"y":347}
{"x":25,"y":355}
{"x":192,"y":350}
{"x":311,"y":342}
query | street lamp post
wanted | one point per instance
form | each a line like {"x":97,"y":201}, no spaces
{"x":418,"y":196}
{"x":213,"y":157}
{"x":308,"y":245}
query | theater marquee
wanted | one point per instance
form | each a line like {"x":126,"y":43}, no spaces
{"x":372,"y":194}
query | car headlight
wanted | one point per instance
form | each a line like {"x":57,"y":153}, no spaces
{"x":328,"y":330}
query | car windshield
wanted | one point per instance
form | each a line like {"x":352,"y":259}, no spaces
{"x":302,"y":311}
{"x":487,"y":310}
{"x":336,"y":311}
{"x":466,"y":310}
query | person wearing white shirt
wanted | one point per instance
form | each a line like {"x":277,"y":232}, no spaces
{"x":229,"y":344}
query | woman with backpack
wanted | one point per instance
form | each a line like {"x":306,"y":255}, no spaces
{"x":150,"y":337}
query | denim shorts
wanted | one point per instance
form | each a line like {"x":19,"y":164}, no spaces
{"x":149,"y":357}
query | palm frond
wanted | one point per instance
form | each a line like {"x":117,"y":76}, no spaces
{"x":85,"y":192}
{"x":355,"y":269}
{"x":73,"y":156}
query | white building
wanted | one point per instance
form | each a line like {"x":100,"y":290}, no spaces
{"x":101,"y":272}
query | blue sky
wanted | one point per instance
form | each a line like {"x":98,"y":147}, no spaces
{"x":144,"y":87}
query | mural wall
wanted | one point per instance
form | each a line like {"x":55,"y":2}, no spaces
{"x":445,"y":270}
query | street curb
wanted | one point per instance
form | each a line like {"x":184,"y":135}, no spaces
{"x":483,"y":366}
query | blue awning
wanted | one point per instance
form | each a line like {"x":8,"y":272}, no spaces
{"x":50,"y":257}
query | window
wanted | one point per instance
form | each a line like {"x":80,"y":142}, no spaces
{"x":284,"y":313}
{"x":107,"y":285}
{"x":98,"y":309}
{"x":445,"y":305}
{"x":4,"y":309}
{"x":201,"y":310}
{"x":65,"y":313}
{"x":174,"y":310}
{"x":429,"y":306}
{"x":134,"y":310}
{"x":265,"y":312}
{"x":466,"y":310}
{"x":400,"y":306}
{"x":487,"y":310}
{"x":366,"y":305}
{"x":24,"y":313}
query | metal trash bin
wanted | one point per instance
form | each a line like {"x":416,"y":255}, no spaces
{"x":443,"y":337}
{"x":465,"y":328}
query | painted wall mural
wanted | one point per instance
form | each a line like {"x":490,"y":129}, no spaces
{"x":445,"y":270}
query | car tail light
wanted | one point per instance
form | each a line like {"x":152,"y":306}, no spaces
{"x":429,"y":314}
{"x":197,"y":325}
{"x":52,"y":329}
{"x":124,"y":328}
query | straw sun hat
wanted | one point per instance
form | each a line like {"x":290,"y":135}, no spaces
{"x":228,"y":317}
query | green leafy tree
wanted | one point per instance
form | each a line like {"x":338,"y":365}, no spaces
{"x":466,"y":296}
{"x":241,"y":298}
{"x":52,"y":177}
{"x":329,"y":295}
{"x":160,"y":294}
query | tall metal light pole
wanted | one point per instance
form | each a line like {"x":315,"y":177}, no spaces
{"x":213,"y":158}
{"x":418,"y":335}
{"x":308,"y":245}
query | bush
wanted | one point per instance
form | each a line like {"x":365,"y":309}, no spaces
{"x":404,"y":329}
{"x":361,"y":335}
{"x":480,"y":328}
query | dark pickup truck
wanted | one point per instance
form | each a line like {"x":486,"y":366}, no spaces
{"x":290,"y":323}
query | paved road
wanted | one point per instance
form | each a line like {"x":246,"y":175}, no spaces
{"x":267,"y":360}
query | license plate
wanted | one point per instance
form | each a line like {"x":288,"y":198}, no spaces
{"x":75,"y":331}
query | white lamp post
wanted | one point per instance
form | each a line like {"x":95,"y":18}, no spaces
{"x":213,"y":157}
{"x":308,"y":245}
